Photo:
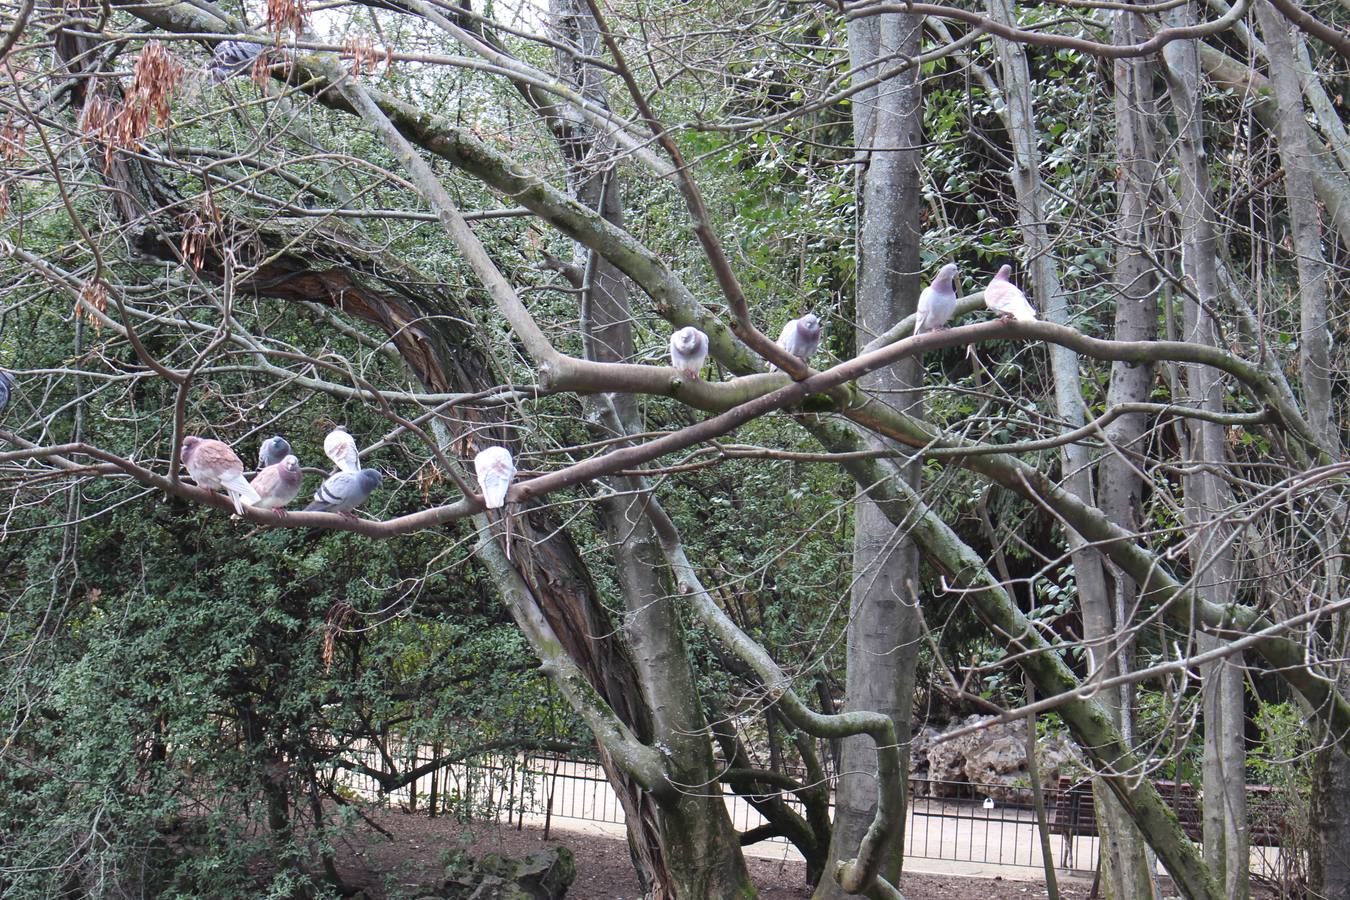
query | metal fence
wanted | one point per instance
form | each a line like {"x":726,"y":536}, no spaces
{"x":955,"y":821}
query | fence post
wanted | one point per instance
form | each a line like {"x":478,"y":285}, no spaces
{"x":435,"y":780}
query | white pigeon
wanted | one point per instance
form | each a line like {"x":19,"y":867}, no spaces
{"x":688,"y":351}
{"x":801,"y":337}
{"x":937,"y":302}
{"x":1007,"y":299}
{"x":495,"y":469}
{"x":341,"y":449}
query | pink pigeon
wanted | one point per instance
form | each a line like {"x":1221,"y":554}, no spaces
{"x":214,"y":466}
{"x":937,"y":302}
{"x":278,"y":484}
{"x":1007,"y":299}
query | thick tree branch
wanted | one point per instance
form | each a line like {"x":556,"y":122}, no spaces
{"x":1160,"y":39}
{"x":1335,"y":38}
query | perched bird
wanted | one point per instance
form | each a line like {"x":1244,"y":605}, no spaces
{"x":688,"y":350}
{"x":343,"y":492}
{"x":214,"y":466}
{"x":495,"y":469}
{"x":341,"y":449}
{"x":232,"y":58}
{"x":1007,"y":299}
{"x":278,"y":484}
{"x":7,"y":386}
{"x":937,"y":302}
{"x":273,"y":450}
{"x":801,"y":337}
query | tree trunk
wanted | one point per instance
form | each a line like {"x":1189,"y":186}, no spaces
{"x":1329,"y":864}
{"x":699,"y":855}
{"x":1207,"y":496}
{"x":883,"y":629}
{"x":1120,"y":489}
{"x":1125,"y":864}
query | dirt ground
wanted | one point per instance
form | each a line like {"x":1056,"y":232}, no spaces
{"x":388,"y":869}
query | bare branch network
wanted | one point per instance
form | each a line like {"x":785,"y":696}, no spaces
{"x":480,"y":233}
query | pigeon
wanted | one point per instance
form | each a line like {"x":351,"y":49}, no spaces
{"x":278,"y":484}
{"x":937,"y":302}
{"x":273,"y":450}
{"x":343,"y":492}
{"x":688,"y":350}
{"x":214,"y":466}
{"x":1007,"y":299}
{"x":494,"y":469}
{"x":341,"y":449}
{"x":233,"y":58}
{"x":801,"y":337}
{"x":7,"y":386}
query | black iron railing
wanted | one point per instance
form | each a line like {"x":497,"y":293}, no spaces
{"x":957,"y":821}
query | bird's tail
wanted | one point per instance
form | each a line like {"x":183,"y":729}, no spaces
{"x":494,"y":492}
{"x":240,"y":491}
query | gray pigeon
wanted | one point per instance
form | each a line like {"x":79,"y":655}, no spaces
{"x":7,"y":386}
{"x":232,"y":58}
{"x":342,"y":492}
{"x":801,"y":337}
{"x":273,"y":450}
{"x":937,"y":302}
{"x":278,"y":484}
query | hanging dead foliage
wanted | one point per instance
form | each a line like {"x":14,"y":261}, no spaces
{"x":334,"y":624}
{"x":13,"y":139}
{"x":428,"y":477}
{"x":122,"y":125}
{"x":364,"y":55}
{"x":201,"y":231}
{"x":286,"y":15}
{"x":93,"y":299}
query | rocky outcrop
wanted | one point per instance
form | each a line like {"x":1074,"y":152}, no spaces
{"x":989,"y":762}
{"x":545,"y":875}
